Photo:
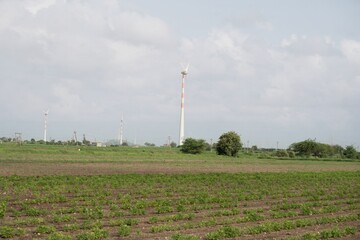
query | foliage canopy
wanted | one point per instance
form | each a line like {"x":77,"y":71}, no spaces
{"x":350,"y":152}
{"x":193,"y":146}
{"x":229,"y":144}
{"x":311,"y":148}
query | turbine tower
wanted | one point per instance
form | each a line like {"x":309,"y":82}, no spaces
{"x":121,"y":130}
{"x":46,"y":113}
{"x":181,"y":135}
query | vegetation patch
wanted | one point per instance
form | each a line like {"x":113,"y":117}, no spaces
{"x":177,"y":205}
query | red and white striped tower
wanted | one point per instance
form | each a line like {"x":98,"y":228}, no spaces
{"x":181,"y":135}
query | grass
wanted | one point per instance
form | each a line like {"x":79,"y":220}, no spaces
{"x":36,"y":159}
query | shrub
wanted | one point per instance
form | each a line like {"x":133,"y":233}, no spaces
{"x":291,"y":154}
{"x":193,"y":146}
{"x":281,"y":153}
{"x":350,"y":152}
{"x":229,"y":144}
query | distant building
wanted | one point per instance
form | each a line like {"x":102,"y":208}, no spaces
{"x":100,"y":144}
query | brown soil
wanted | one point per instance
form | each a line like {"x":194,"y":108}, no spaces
{"x":40,"y":169}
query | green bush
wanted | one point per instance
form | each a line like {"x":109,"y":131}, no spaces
{"x":193,"y":146}
{"x":291,"y":154}
{"x":281,"y":153}
{"x":229,"y":144}
{"x":350,"y":152}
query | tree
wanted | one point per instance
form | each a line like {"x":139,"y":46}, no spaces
{"x":291,"y":154}
{"x":350,"y":152}
{"x":322,"y":150}
{"x":312,"y":148}
{"x":173,"y":144}
{"x":193,"y":146}
{"x":147,"y":144}
{"x":337,"y":150}
{"x":229,"y":144}
{"x":281,"y":153}
{"x":304,"y":148}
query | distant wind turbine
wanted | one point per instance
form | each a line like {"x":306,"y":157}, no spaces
{"x":121,"y":130}
{"x":46,"y":113}
{"x":184,"y":72}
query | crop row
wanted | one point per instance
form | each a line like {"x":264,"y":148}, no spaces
{"x":149,"y":206}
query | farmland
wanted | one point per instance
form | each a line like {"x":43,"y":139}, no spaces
{"x":159,"y":193}
{"x":68,"y":160}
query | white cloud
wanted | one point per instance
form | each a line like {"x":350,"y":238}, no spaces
{"x":351,"y":49}
{"x":300,"y":83}
{"x":92,"y":60}
{"x":34,"y":6}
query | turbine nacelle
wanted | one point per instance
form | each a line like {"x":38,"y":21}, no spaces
{"x":185,"y":71}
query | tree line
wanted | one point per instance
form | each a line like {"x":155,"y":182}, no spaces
{"x":230,"y":144}
{"x":311,"y":148}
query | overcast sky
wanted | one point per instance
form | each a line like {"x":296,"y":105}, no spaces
{"x":273,"y":71}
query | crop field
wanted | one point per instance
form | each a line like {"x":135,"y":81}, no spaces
{"x":225,"y":200}
{"x":39,"y":160}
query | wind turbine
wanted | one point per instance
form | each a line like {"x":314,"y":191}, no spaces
{"x":121,"y":130}
{"x":46,"y":113}
{"x":184,"y":72}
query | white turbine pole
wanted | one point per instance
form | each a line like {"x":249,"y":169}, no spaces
{"x":121,"y":130}
{"x":181,"y":135}
{"x":46,"y":113}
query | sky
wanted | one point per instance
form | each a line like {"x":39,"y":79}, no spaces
{"x":276,"y":72}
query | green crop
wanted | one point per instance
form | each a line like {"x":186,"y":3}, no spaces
{"x":217,"y":205}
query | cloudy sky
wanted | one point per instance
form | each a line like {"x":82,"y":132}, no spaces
{"x":273,"y":71}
